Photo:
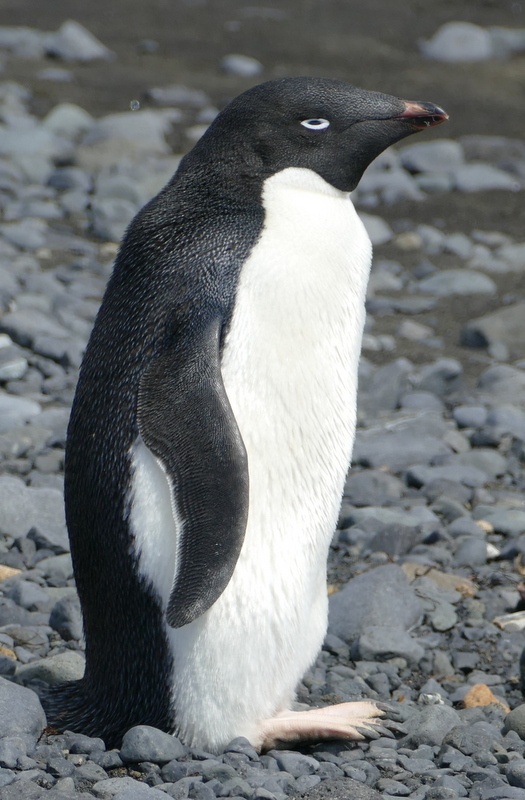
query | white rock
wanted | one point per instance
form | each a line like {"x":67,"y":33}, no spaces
{"x":243,"y":66}
{"x":393,"y":184}
{"x":459,"y":41}
{"x":15,"y":411}
{"x":178,"y":95}
{"x":459,"y":244}
{"x":67,"y":119}
{"x":480,"y":177}
{"x":457,"y":281}
{"x":378,"y":230}
{"x":73,"y":42}
{"x":130,"y":134}
{"x":513,"y":255}
{"x":441,"y":155}
{"x":25,"y":141}
{"x":506,"y":41}
{"x":22,"y":41}
{"x":414,"y":331}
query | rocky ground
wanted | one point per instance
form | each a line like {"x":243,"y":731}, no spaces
{"x":426,"y":567}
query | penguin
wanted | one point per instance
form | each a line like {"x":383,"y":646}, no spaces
{"x":213,"y":424}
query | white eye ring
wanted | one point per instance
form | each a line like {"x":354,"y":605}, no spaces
{"x":315,"y":124}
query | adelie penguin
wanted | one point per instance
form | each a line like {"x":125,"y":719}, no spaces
{"x":213,"y":425}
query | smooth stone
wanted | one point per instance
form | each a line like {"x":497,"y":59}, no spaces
{"x":432,"y":724}
{"x":469,"y":739}
{"x":484,"y":177}
{"x":26,"y":325}
{"x":515,"y":721}
{"x":506,"y":325}
{"x":79,"y":743}
{"x":509,"y":521}
{"x":459,"y":245}
{"x":387,"y":385}
{"x":464,"y":526}
{"x":470,"y":416}
{"x":515,"y":773}
{"x":441,"y":377}
{"x":66,"y":618}
{"x":420,"y":401}
{"x":483,"y":459}
{"x":178,"y":95}
{"x":28,"y":595}
{"x":243,"y":66}
{"x":73,"y":42}
{"x":67,"y":119}
{"x":501,"y":382}
{"x":13,"y":364}
{"x":11,"y":749}
{"x":507,"y":419}
{"x":109,"y":787}
{"x":15,"y":411}
{"x":378,"y":230}
{"x":379,"y":597}
{"x":458,"y":41}
{"x":380,"y":643}
{"x":441,"y":155}
{"x":457,"y":281}
{"x":472,"y":552}
{"x":396,"y":450}
{"x":514,"y":255}
{"x":419,"y":475}
{"x":372,"y":487}
{"x":296,"y":764}
{"x":145,"y":743}
{"x":444,"y":617}
{"x":21,"y":714}
{"x":66,"y":666}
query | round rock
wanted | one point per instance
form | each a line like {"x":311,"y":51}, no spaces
{"x":145,"y":743}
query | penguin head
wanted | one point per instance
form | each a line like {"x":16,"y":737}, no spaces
{"x":328,"y":126}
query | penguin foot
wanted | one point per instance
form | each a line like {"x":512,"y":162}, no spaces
{"x":357,"y":720}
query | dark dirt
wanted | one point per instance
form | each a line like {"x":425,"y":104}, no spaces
{"x":372,"y":43}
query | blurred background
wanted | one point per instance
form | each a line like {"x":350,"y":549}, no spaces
{"x":183,"y":60}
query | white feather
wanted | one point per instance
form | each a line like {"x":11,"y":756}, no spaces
{"x":290,"y":371}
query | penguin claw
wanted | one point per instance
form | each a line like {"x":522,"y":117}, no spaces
{"x":384,"y":731}
{"x":366,"y":732}
{"x":382,"y":706}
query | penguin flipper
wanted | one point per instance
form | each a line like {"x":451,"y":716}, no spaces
{"x":186,"y":421}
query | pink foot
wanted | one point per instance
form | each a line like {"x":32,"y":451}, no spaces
{"x":356,"y":721}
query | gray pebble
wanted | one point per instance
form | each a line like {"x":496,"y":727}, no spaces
{"x":432,"y":724}
{"x":470,"y":416}
{"x":66,"y":618}
{"x":381,"y":597}
{"x":21,"y":714}
{"x":66,"y":666}
{"x":457,"y":282}
{"x":472,"y":552}
{"x":243,"y":66}
{"x":379,"y":643}
{"x":515,"y":721}
{"x":144,"y":743}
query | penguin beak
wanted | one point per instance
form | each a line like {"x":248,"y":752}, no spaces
{"x":422,"y":115}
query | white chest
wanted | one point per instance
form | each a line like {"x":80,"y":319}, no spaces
{"x":289,"y":367}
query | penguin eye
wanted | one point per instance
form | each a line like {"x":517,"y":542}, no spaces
{"x":315,"y":124}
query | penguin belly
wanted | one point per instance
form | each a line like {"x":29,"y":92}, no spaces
{"x":289,"y":367}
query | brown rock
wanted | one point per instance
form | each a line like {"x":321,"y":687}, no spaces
{"x":7,"y":572}
{"x":481,"y":695}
